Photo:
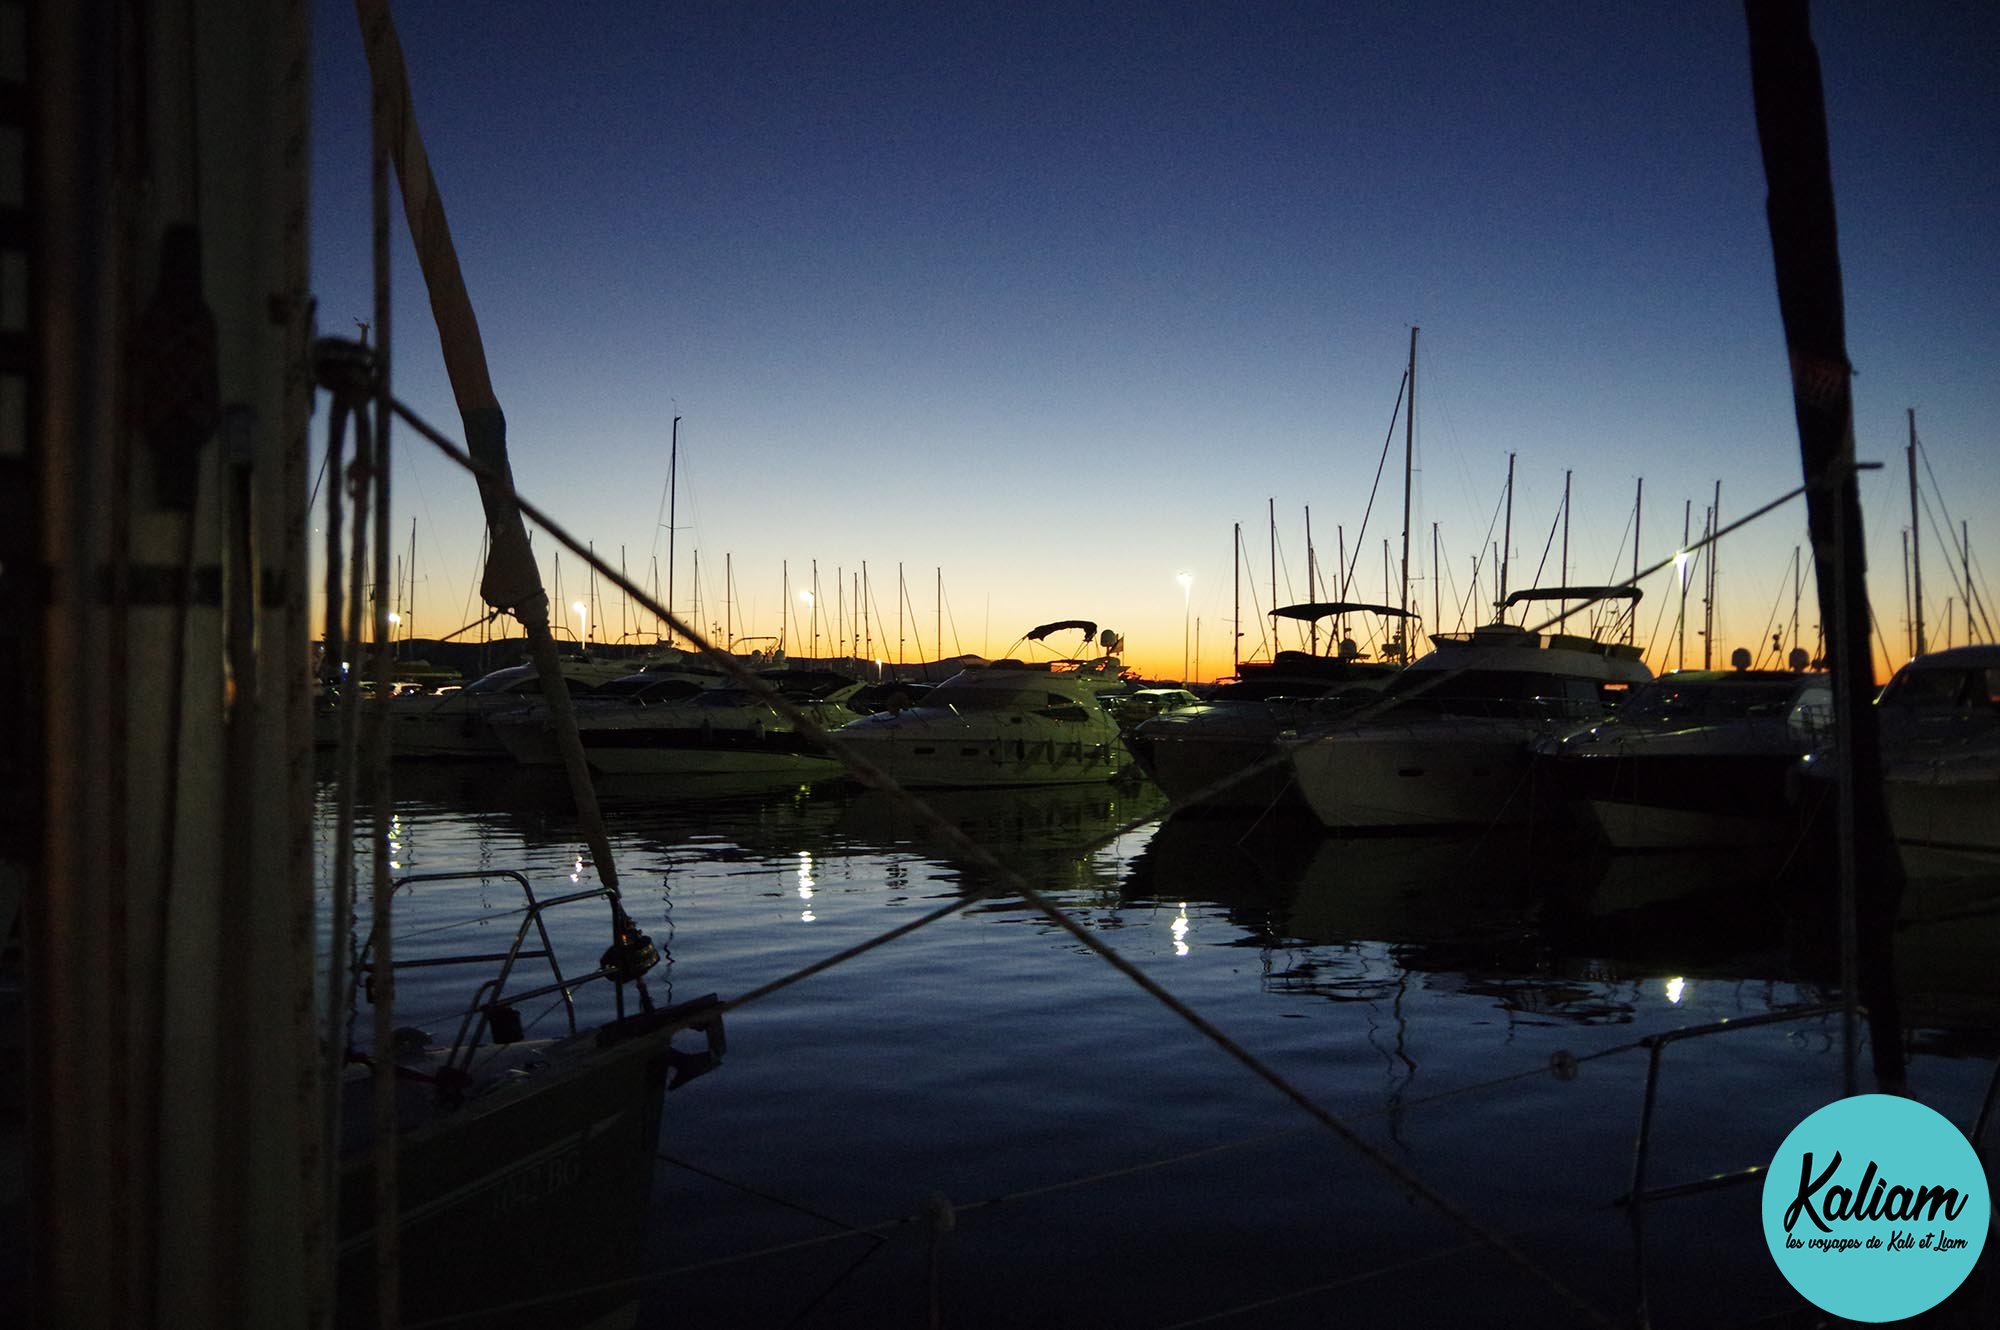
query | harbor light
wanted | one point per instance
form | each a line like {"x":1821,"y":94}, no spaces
{"x":582,"y":620}
{"x":1676,"y":989}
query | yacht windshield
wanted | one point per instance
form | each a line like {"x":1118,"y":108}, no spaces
{"x":1937,"y":689}
{"x":1667,"y":700}
{"x":1496,"y":693}
{"x":999,"y":699}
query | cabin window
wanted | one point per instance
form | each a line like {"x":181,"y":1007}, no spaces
{"x":1936,"y":689}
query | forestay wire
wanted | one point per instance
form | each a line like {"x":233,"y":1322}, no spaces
{"x":959,"y":843}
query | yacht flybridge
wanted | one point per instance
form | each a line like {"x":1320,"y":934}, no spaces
{"x":1008,"y":722}
{"x":1447,"y":745}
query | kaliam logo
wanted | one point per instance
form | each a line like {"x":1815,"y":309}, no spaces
{"x":1876,"y":1208}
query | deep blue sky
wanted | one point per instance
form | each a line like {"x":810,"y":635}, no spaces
{"x":1050,"y":295}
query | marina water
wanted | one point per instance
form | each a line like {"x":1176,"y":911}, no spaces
{"x":984,"y":1124}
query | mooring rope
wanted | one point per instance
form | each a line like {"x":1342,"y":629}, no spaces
{"x":1561,"y":1065}
{"x":873,"y":776}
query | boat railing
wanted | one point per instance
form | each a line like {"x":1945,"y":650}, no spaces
{"x":493,"y":1010}
{"x":1656,"y":1045}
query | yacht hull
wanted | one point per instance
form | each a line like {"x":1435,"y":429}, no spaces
{"x":537,"y":1186}
{"x":917,"y":760}
{"x":1418,"y":777}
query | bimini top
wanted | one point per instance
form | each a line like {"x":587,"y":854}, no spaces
{"x":1037,"y":634}
{"x":1325,"y":609}
{"x":1572,"y":593}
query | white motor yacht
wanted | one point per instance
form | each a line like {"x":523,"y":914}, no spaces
{"x":1940,"y":727}
{"x":650,"y":725}
{"x":455,"y":724}
{"x":1007,"y":722}
{"x":1222,"y":756}
{"x":1447,"y":744}
{"x":1694,"y":758}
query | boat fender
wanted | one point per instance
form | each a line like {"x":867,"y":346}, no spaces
{"x":504,"y":1022}
{"x":629,"y":957}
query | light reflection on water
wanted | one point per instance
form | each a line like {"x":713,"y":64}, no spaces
{"x":1461,"y":1001}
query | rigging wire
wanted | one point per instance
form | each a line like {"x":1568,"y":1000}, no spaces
{"x":1361,"y":536}
{"x":960,"y":843}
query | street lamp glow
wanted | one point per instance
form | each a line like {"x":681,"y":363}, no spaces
{"x":582,"y":620}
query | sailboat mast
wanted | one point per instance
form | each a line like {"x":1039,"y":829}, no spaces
{"x":1916,"y":541}
{"x":410,"y":612}
{"x":728,"y":596}
{"x":1680,"y":624}
{"x":1409,"y":460}
{"x":1565,"y":550}
{"x":673,"y":503}
{"x":1271,"y":506}
{"x":1236,"y":590}
{"x":1909,"y":624}
{"x":1437,"y":583}
{"x":1795,"y":597}
{"x":1708,"y":601}
{"x":1312,"y":592}
{"x":1638,"y":514}
{"x":1506,"y":542}
{"x":940,"y":615}
{"x":1340,"y":624}
{"x":899,"y":612}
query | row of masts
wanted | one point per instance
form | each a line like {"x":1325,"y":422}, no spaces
{"x":853,"y":621}
{"x":1702,"y":553}
{"x":849,"y":624}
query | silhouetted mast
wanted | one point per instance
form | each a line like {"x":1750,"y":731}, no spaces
{"x":1236,"y":590}
{"x":673,"y":501}
{"x":1916,"y":542}
{"x":1409,"y":459}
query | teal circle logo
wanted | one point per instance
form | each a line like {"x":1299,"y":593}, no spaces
{"x":1876,"y":1208}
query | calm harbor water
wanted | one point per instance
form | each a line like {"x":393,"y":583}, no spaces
{"x":1468,"y":1008}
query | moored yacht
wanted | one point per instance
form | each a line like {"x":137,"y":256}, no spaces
{"x":455,"y":724}
{"x":1694,"y":758}
{"x":1940,"y":727}
{"x":655,"y":725}
{"x":1222,"y":755}
{"x":1447,"y":743}
{"x":1007,"y":722}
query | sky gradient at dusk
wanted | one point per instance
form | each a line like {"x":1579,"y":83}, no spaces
{"x":1049,"y":296}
